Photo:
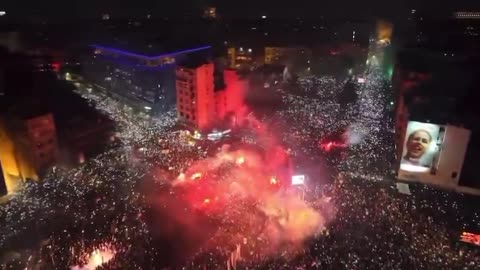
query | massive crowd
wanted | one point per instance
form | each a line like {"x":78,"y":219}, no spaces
{"x":101,"y":207}
{"x":378,"y":228}
{"x":375,"y":227}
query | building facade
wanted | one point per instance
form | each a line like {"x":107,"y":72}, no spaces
{"x":40,"y":141}
{"x":28,"y":147}
{"x":210,"y":13}
{"x":201,"y":106}
{"x":2,"y":81}
{"x":436,"y":131}
{"x":230,"y":100}
{"x":467,"y":15}
{"x":284,"y":55}
{"x":195,"y":95}
{"x":144,"y":83}
{"x":239,"y":57}
{"x":85,"y":137}
{"x":16,"y":168}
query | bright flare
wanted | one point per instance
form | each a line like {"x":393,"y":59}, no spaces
{"x":240,"y":160}
{"x":196,"y":176}
{"x":273,"y":180}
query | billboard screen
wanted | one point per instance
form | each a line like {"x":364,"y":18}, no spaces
{"x":433,"y":153}
{"x":421,"y":147}
{"x":298,"y":180}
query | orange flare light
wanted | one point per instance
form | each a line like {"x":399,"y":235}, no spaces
{"x":196,"y":176}
{"x":273,"y":180}
{"x":240,"y":160}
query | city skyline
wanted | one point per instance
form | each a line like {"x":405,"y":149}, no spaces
{"x":307,"y":9}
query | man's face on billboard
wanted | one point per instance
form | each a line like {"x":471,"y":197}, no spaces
{"x":418,"y":143}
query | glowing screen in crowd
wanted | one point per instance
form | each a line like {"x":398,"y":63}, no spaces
{"x":298,"y":180}
{"x":422,"y":145}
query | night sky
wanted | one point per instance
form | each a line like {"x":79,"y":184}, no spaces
{"x":229,"y":8}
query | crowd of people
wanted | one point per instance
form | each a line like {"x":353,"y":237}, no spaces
{"x":378,"y":228}
{"x":101,"y":208}
{"x":375,"y":227}
{"x":319,"y":114}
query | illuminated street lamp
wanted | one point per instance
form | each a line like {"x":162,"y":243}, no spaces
{"x":3,"y":13}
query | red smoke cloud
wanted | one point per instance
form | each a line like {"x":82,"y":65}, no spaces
{"x":249,"y":194}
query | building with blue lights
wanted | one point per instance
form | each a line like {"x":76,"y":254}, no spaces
{"x":145,"y":83}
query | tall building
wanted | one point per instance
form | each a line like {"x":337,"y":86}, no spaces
{"x":35,"y":137}
{"x":281,"y":55}
{"x":229,"y":101}
{"x":201,"y":106}
{"x":195,"y":94}
{"x":144,"y":83}
{"x":436,"y":111}
{"x":28,"y":147}
{"x":436,"y":126}
{"x":467,"y":15}
{"x":2,"y":81}
{"x":3,"y":187}
{"x":240,"y":57}
{"x":384,"y":31}
{"x":469,"y":22}
{"x":85,"y":135}
{"x":15,"y":168}
{"x":210,"y":13}
{"x":40,"y":141}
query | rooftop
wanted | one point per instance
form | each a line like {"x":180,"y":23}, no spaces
{"x":467,"y":15}
{"x":151,"y":56}
{"x":193,"y":63}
